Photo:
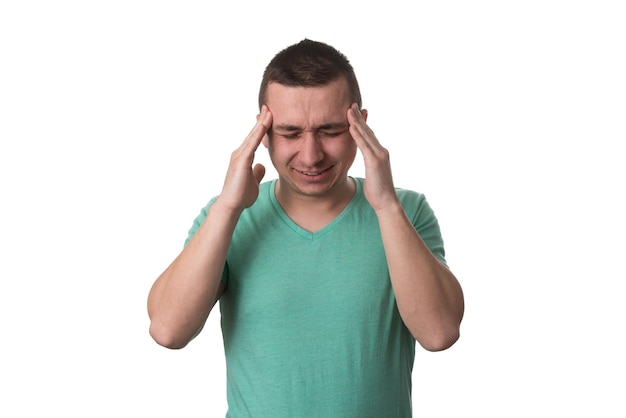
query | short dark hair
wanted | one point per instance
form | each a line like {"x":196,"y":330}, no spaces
{"x":309,"y":64}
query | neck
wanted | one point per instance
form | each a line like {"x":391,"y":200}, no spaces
{"x":313,"y":212}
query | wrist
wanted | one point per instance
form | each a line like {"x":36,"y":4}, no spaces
{"x":224,"y":212}
{"x":392,"y":209}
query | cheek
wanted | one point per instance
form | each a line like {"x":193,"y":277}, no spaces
{"x":279,"y":148}
{"x":346,"y":147}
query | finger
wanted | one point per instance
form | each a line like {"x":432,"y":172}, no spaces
{"x":259,"y":172}
{"x":254,"y":138}
{"x":361,"y":133}
{"x":357,"y":123}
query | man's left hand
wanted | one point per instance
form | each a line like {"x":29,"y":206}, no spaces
{"x":379,"y":189}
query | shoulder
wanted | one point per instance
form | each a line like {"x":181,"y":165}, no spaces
{"x":416,"y":206}
{"x":264,"y":199}
{"x":412,"y":201}
{"x":410,"y":197}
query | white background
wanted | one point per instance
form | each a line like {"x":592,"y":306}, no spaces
{"x":117,"y":120}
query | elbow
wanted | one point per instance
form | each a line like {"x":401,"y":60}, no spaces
{"x":441,"y":331}
{"x":439,"y":341}
{"x":165,"y":337}
{"x":437,"y":335}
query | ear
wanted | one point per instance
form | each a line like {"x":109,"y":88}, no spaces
{"x":364,"y":114}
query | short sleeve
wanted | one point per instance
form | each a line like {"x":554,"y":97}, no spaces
{"x":197,"y":222}
{"x":425,"y":222}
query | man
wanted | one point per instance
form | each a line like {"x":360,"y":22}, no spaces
{"x":325,"y":281}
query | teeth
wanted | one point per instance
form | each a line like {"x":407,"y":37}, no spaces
{"x":311,"y":173}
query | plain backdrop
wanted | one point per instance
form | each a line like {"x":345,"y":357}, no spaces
{"x":117,"y":120}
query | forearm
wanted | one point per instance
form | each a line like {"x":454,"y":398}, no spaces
{"x":429,"y":297}
{"x":183,"y":296}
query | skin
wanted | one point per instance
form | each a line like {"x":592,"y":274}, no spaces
{"x":312,"y":150}
{"x":312,"y":135}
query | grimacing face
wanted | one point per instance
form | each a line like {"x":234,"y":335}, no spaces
{"x":309,"y":142}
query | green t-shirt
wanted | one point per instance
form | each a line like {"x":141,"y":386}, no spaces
{"x":309,"y":320}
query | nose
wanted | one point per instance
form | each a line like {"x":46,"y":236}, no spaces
{"x":311,"y":151}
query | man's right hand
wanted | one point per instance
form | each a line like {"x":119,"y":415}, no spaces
{"x":241,"y":186}
{"x":182,"y":297}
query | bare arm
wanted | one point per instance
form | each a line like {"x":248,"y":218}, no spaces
{"x":429,"y":297}
{"x":182,"y":297}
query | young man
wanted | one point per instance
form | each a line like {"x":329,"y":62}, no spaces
{"x":325,"y":281}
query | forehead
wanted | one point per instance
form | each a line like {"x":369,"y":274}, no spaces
{"x":309,"y":106}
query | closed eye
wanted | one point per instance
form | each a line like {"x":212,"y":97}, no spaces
{"x":332,"y":134}
{"x":291,"y":135}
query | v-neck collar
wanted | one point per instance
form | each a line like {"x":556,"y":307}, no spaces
{"x":358,"y":194}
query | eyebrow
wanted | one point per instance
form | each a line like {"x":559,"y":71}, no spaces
{"x":322,"y":127}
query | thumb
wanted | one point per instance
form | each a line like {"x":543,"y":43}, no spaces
{"x":259,"y":172}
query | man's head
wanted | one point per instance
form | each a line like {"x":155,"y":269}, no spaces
{"x":309,"y":64}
